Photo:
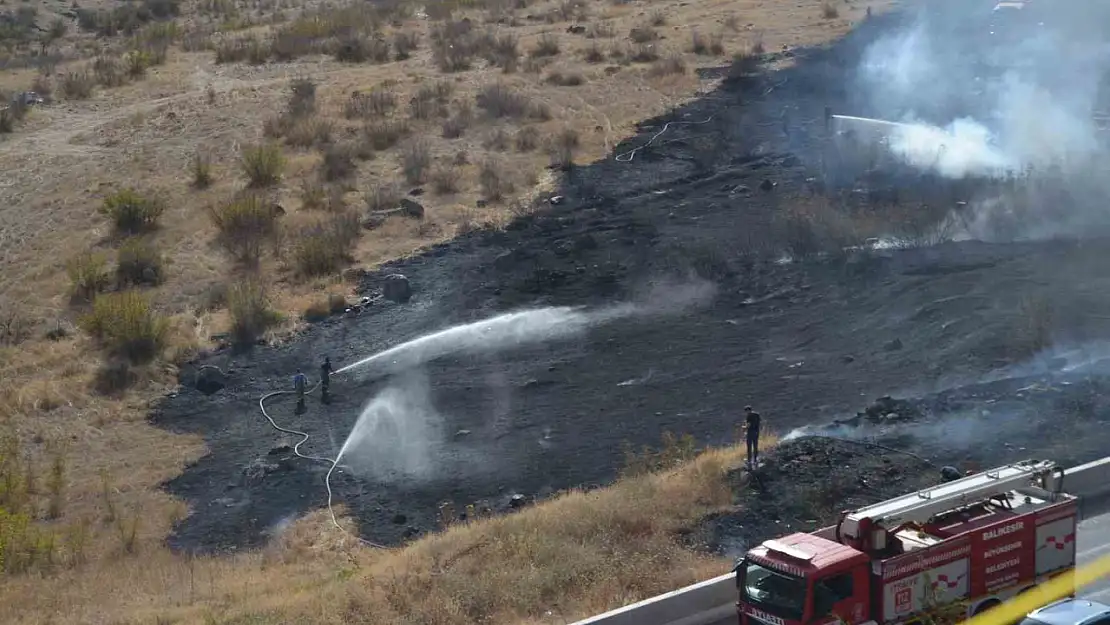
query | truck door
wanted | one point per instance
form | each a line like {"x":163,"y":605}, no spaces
{"x":841,"y":597}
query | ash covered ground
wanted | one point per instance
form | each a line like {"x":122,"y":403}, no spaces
{"x":691,"y":231}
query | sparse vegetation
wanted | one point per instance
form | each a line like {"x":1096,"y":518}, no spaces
{"x":416,"y":158}
{"x":669,"y":66}
{"x":494,"y":180}
{"x":252,"y":313}
{"x":131,"y":212}
{"x":547,"y":45}
{"x":138,"y":262}
{"x":202,"y":171}
{"x":500,"y":101}
{"x":88,"y":275}
{"x":126,"y":325}
{"x":245,"y":224}
{"x":78,"y":84}
{"x":445,"y":179}
{"x":324,"y":247}
{"x":262,"y":164}
{"x":382,"y":197}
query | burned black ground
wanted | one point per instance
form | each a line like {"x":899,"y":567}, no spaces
{"x":805,"y":342}
{"x":895,"y":446}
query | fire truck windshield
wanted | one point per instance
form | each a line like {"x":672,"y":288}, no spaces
{"x":778,"y":593}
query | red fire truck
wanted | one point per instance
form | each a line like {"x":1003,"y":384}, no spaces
{"x":938,"y":555}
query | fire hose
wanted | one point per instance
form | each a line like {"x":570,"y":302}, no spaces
{"x":297,"y":452}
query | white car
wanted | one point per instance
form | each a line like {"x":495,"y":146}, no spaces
{"x":1070,"y":612}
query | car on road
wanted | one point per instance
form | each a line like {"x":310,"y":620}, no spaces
{"x":1070,"y":612}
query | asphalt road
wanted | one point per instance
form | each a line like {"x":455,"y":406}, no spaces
{"x":1094,"y":542}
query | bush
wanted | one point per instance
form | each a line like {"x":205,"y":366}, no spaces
{"x":593,"y":54}
{"x":415,"y":160}
{"x":384,"y":135}
{"x":302,"y":97}
{"x":704,"y":47}
{"x":527,"y":139}
{"x":499,"y":101}
{"x":828,"y":11}
{"x":560,"y":79}
{"x":358,"y":48}
{"x":245,"y":224}
{"x":494,"y":181}
{"x":127,"y":326}
{"x":455,"y":126}
{"x":251,"y":311}
{"x":562,"y":148}
{"x":202,"y":171}
{"x":78,"y":84}
{"x":672,"y":65}
{"x":453,"y":46}
{"x":404,"y":43}
{"x":383,"y":197}
{"x":325,"y":247}
{"x":546,"y":46}
{"x":338,"y":162}
{"x":501,"y":50}
{"x":263,"y":165}
{"x":445,"y":180}
{"x":377,"y":103}
{"x":139,"y":262}
{"x":241,"y":49}
{"x":130,"y":212}
{"x":309,"y":132}
{"x":88,"y":275}
{"x":7,"y":121}
{"x":430,"y":100}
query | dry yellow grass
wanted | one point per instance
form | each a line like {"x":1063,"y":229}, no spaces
{"x":63,"y":160}
{"x":578,"y":554}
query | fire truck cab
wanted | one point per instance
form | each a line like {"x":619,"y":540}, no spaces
{"x":945,"y":553}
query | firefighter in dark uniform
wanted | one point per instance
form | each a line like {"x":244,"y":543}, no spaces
{"x":300,"y":382}
{"x":752,"y":422}
{"x":325,"y":379}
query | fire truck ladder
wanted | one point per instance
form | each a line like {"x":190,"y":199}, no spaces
{"x":919,"y":507}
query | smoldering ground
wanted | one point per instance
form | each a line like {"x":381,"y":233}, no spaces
{"x":1009,"y":94}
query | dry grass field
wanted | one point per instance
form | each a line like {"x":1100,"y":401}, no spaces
{"x":211,"y":169}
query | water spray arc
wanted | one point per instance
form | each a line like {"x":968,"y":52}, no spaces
{"x":500,"y":332}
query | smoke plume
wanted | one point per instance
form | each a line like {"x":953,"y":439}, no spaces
{"x":994,"y":95}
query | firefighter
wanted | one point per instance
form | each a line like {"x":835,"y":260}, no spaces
{"x":751,"y":430}
{"x":325,"y":379}
{"x":300,"y":381}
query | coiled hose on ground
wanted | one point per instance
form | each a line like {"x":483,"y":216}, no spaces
{"x":333,"y":462}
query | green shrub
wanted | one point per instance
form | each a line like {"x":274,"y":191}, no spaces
{"x":245,"y":223}
{"x":251,"y":311}
{"x":126,"y":325}
{"x":263,"y":164}
{"x":88,"y":275}
{"x":139,"y":262}
{"x":130,"y":212}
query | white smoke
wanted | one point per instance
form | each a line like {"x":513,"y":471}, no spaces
{"x":972,"y":107}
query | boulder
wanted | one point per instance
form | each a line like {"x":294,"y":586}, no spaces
{"x":210,"y":380}
{"x":412,"y":208}
{"x":397,"y":288}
